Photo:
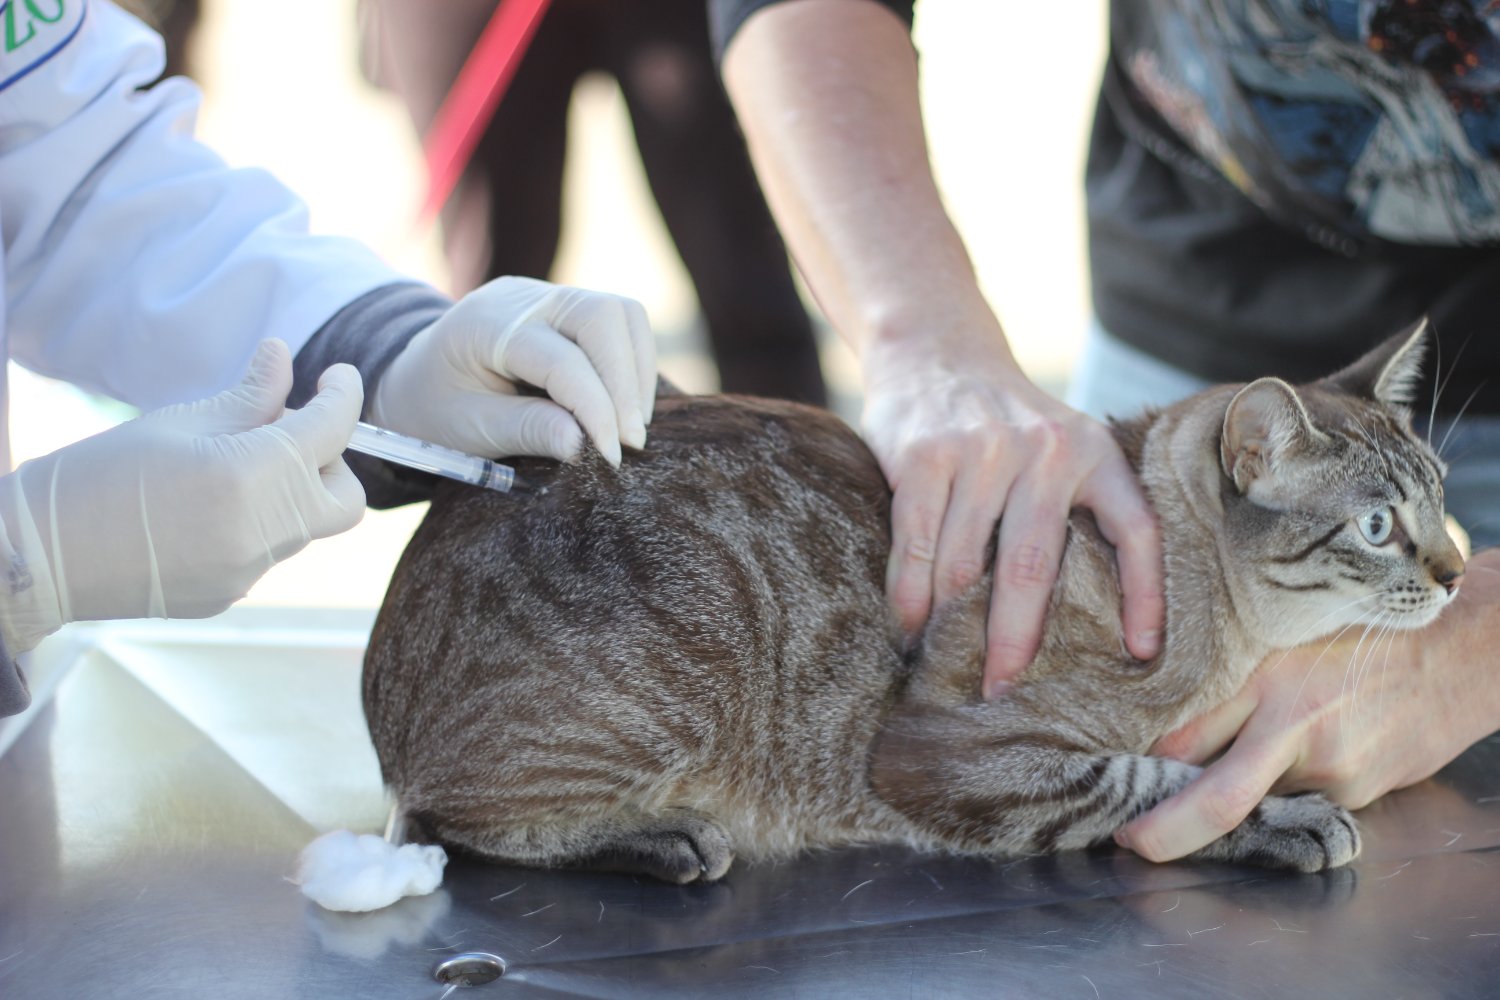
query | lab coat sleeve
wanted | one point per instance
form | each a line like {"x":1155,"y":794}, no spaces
{"x":368,"y":334}
{"x":137,"y":264}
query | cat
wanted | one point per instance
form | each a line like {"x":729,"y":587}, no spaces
{"x":660,"y":667}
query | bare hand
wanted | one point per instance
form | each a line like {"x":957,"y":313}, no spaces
{"x":1354,"y":718}
{"x":827,"y":94}
{"x":963,"y":442}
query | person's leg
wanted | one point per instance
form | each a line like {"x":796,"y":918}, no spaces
{"x":520,"y":158}
{"x":700,"y":173}
{"x":504,"y":217}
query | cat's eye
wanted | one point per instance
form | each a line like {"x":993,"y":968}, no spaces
{"x":1377,"y":525}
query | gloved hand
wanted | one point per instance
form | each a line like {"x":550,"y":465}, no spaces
{"x":177,"y":513}
{"x":593,"y":353}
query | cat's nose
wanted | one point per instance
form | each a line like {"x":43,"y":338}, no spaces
{"x":1449,"y":578}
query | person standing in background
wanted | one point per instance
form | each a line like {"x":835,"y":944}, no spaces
{"x":505,"y":215}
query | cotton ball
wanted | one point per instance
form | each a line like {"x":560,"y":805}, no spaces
{"x":358,"y":872}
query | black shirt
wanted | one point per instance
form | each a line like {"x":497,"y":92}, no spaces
{"x":1254,"y":210}
{"x":1274,"y":186}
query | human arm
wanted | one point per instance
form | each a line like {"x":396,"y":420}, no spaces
{"x":826,"y":91}
{"x":1353,"y":718}
{"x":137,"y":263}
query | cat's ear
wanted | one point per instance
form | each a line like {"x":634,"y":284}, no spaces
{"x":1265,"y":426}
{"x":1390,"y":373}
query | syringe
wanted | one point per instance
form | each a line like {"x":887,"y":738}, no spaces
{"x":414,"y":453}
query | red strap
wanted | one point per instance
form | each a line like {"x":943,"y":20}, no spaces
{"x":475,"y":95}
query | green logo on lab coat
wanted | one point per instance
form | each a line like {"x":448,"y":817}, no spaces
{"x":23,"y":16}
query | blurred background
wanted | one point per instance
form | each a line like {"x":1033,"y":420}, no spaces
{"x":1007,"y":93}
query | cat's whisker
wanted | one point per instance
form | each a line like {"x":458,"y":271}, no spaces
{"x":1387,"y":626}
{"x":1350,"y":683}
{"x":1440,"y":380}
{"x":1453,"y":424}
{"x":1298,"y":641}
{"x":1358,"y":663}
{"x":1367,"y":437}
{"x":1390,"y":644}
{"x":1385,"y":635}
{"x":1382,"y":625}
{"x":1313,"y":628}
{"x":1367,"y":667}
{"x":1437,"y":385}
{"x":1371,"y":438}
{"x":1312,"y":668}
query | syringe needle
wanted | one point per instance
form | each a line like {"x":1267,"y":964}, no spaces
{"x":414,"y":453}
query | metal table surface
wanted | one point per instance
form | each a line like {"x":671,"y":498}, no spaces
{"x":152,"y":809}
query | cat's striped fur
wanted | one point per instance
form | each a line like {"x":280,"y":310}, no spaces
{"x":656,"y":668}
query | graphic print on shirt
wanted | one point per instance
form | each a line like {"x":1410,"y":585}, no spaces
{"x":33,"y":31}
{"x":1372,"y":116}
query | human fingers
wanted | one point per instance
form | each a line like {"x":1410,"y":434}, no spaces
{"x":1354,"y":759}
{"x":1356,"y":793}
{"x":300,"y":508}
{"x":572,"y":310}
{"x":1218,"y":800}
{"x":1200,"y":738}
{"x":1032,"y":532}
{"x":536,"y":354}
{"x":258,"y":399}
{"x":602,"y":330}
{"x":526,"y":425}
{"x":1127,"y":522}
{"x":917,"y":506}
{"x":322,"y":428}
{"x":1346,"y":752}
{"x":643,"y":339}
{"x":974,"y":504}
{"x":346,"y":500}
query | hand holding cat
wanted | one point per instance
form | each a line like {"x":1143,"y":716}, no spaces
{"x":1354,"y":718}
{"x":593,"y":354}
{"x":178,"y":512}
{"x":965,"y":442}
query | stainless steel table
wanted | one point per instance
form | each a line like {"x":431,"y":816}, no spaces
{"x":150,"y":812}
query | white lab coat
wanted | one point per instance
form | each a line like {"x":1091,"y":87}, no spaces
{"x":136,"y":263}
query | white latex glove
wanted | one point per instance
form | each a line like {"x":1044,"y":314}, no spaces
{"x":177,"y":513}
{"x":592,"y":353}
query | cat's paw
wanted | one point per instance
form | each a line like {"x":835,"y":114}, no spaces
{"x":681,"y":847}
{"x":698,"y":850}
{"x":1306,"y":833}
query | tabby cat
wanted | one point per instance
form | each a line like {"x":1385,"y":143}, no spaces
{"x":654,"y":668}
